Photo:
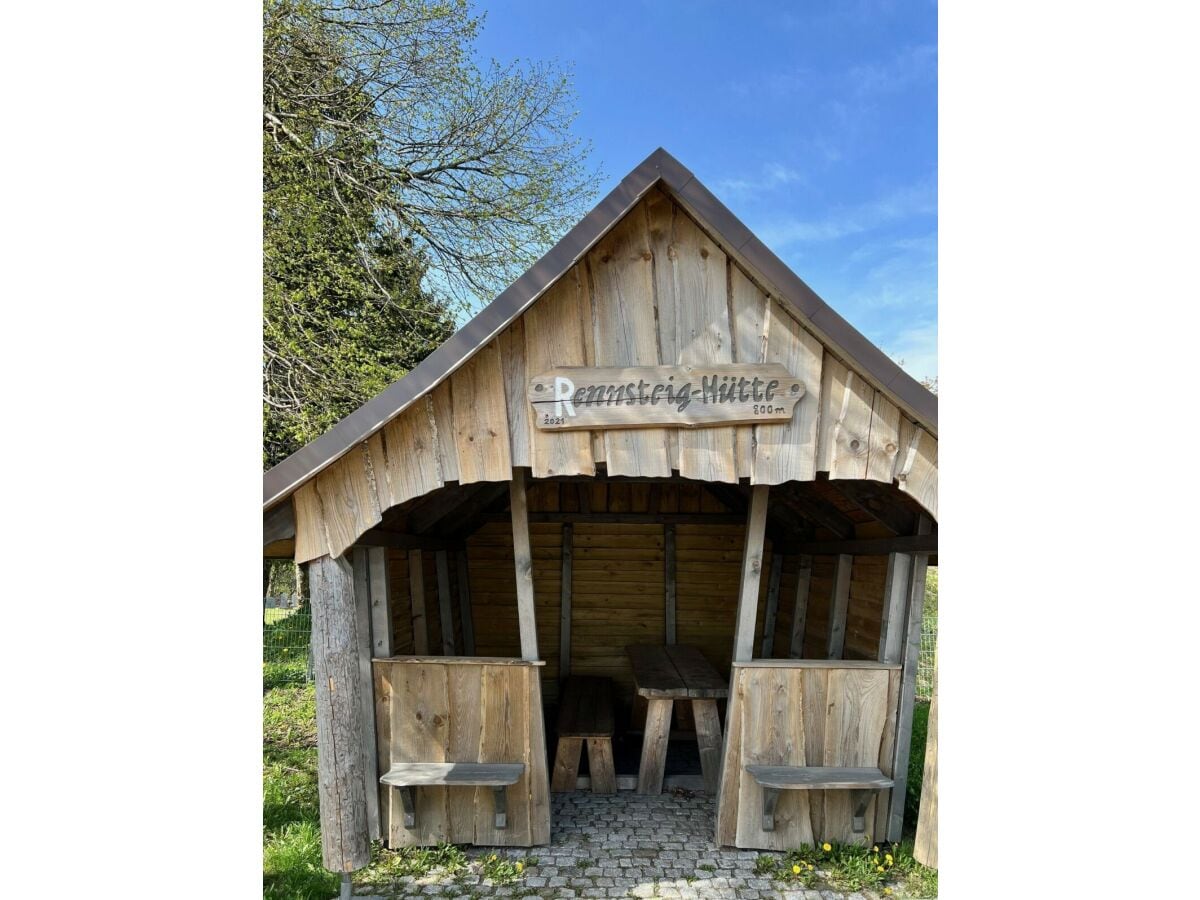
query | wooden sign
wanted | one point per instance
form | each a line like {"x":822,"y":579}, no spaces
{"x":656,"y":396}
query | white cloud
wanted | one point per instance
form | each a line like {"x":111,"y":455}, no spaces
{"x":772,"y":175}
{"x":912,"y":65}
{"x":915,"y":348}
{"x":914,"y":200}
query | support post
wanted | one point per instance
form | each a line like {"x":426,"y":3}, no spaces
{"x":669,"y":561}
{"x":895,"y":595}
{"x":362,"y":606}
{"x":908,"y":687}
{"x":445,"y":609}
{"x":345,"y":843}
{"x":381,"y":604}
{"x":523,"y":561}
{"x":839,"y":604}
{"x":564,"y":628}
{"x":926,"y":847}
{"x":416,"y":594}
{"x":772,"y":612}
{"x":747,"y":611}
{"x":464,"y":602}
{"x":800,"y":609}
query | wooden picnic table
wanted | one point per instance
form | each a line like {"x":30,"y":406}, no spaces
{"x":663,"y":675}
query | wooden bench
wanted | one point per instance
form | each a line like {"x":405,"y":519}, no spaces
{"x":861,"y":782}
{"x":585,"y":713}
{"x":498,"y":776}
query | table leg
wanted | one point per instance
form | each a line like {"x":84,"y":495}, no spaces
{"x":654,"y":745}
{"x":708,"y":736}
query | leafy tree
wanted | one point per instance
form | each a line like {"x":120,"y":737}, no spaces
{"x":401,"y":184}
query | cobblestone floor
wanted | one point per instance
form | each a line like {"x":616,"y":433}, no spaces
{"x":622,"y":846}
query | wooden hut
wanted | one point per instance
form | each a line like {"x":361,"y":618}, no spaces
{"x":657,"y":455}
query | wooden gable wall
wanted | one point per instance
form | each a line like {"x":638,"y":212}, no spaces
{"x":656,"y":290}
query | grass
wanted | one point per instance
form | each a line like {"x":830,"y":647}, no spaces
{"x":885,"y":869}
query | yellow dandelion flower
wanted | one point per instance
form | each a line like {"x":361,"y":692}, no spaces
{"x":811,"y":867}
{"x":888,"y":857}
{"x":826,"y":847}
{"x":879,"y":868}
{"x":875,"y":849}
{"x":520,"y":867}
{"x":795,"y":870}
{"x":887,"y":892}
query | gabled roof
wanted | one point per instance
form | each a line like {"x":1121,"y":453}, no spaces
{"x":839,"y":336}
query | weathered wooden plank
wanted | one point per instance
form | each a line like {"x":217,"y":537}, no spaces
{"x":884,"y":443}
{"x":566,"y":764}
{"x":917,"y":470}
{"x":908,"y":686}
{"x":345,"y":839}
{"x":445,"y":602}
{"x":464,"y":685}
{"x":914,"y":543}
{"x":377,"y":471}
{"x":748,"y":306}
{"x":513,"y":363}
{"x":416,"y":594}
{"x":751,"y":573}
{"x":857,"y":707}
{"x":839,"y":604}
{"x":625,"y":335}
{"x":311,"y":539}
{"x":413,"y":465}
{"x":383,"y":744}
{"x":601,"y":766}
{"x":453,"y":773}
{"x":814,"y":696}
{"x":926,"y":847}
{"x":703,"y":336}
{"x":800,"y":607}
{"x":887,"y":747}
{"x":772,"y":610}
{"x":895,"y":598}
{"x":523,"y":561}
{"x":554,"y":336}
{"x":660,"y":211}
{"x":481,"y":418}
{"x":729,"y":789}
{"x":654,"y":745}
{"x":362,"y":608}
{"x":441,"y":405}
{"x":699,"y":678}
{"x":464,"y":603}
{"x":564,"y":602}
{"x":654,"y":673}
{"x":537,"y":772}
{"x":845,"y":421}
{"x":788,"y":452}
{"x":818,"y":778}
{"x":586,"y":708}
{"x":348,"y":500}
{"x":669,"y":581}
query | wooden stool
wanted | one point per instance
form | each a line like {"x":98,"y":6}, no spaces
{"x":585,"y":712}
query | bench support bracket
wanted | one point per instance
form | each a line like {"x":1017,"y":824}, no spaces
{"x":501,"y":806}
{"x":860,"y":798}
{"x":499,"y":794}
{"x":410,"y":807}
{"x":770,"y":801}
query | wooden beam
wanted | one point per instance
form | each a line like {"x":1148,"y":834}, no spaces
{"x":366,"y":680}
{"x":669,"y":582}
{"x":800,"y":609}
{"x":630,"y":518}
{"x":839,"y":604}
{"x":925,"y":850}
{"x":523,"y":561}
{"x":879,"y":501}
{"x":747,"y":611}
{"x":345,"y":841}
{"x":916,"y":543}
{"x":896,"y":585}
{"x":908,"y":687}
{"x":454,"y":508}
{"x":772,"y":611}
{"x":821,"y":512}
{"x":445,"y":602}
{"x":279,"y":523}
{"x":469,"y":517}
{"x":381,"y":602}
{"x":464,"y":603}
{"x":416,"y":594}
{"x":564,"y":625}
{"x":381,"y":537}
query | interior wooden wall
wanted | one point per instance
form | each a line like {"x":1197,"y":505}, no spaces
{"x":619,"y":587}
{"x":656,"y":290}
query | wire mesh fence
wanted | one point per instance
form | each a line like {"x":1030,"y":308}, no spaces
{"x":287,"y":655}
{"x":929,"y":628}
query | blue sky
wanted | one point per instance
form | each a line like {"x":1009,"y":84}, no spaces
{"x":815,"y":123}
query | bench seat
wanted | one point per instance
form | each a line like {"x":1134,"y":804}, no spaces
{"x":585,"y":713}
{"x":862,"y":782}
{"x":497,"y":776}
